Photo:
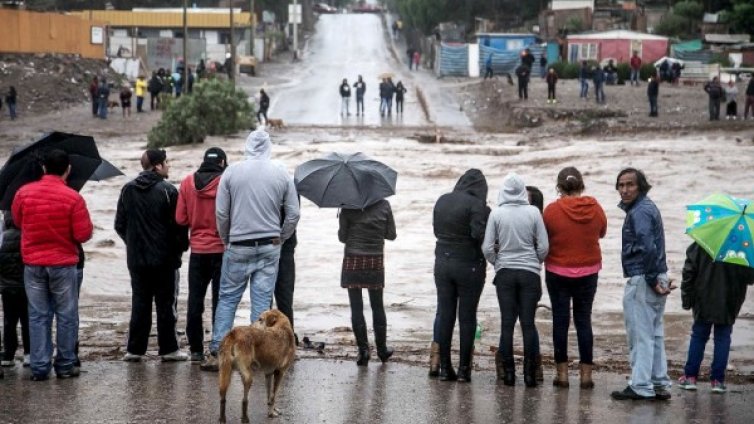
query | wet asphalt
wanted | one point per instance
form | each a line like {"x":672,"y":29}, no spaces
{"x":322,"y":391}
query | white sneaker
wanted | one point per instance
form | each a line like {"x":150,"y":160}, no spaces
{"x":27,"y":360}
{"x":175,"y":356}
{"x":131,"y":357}
{"x":7,"y":363}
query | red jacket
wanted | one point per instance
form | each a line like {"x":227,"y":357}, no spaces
{"x":635,"y":62}
{"x":53,"y":220}
{"x":196,"y":208}
{"x":575,"y":226}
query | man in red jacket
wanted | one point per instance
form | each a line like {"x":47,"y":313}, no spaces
{"x":196,"y":209}
{"x":53,"y":219}
{"x":635,"y":68}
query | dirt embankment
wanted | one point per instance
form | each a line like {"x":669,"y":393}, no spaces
{"x":493,"y":106}
{"x":47,"y":82}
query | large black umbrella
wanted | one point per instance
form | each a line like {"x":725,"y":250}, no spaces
{"x":25,"y":164}
{"x":349,"y":181}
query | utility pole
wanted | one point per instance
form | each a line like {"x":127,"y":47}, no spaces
{"x":185,"y":48}
{"x":252,"y":20}
{"x":232,"y":70}
{"x":295,"y":29}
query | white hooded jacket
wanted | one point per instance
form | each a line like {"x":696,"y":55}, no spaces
{"x":518,"y":229}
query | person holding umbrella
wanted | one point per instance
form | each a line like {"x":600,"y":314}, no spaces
{"x":53,"y":220}
{"x":716,"y":274}
{"x":364,"y":231}
{"x":358,"y":185}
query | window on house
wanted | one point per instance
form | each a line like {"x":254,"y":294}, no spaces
{"x":582,"y":51}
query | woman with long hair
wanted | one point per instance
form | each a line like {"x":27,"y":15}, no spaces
{"x":575,"y":224}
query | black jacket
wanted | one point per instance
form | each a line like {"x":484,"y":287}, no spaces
{"x":145,"y":220}
{"x":653,"y":88}
{"x":714,"y":290}
{"x":11,"y":265}
{"x":399,"y":91}
{"x":460,"y":218}
{"x":522,"y":72}
{"x":361,"y":88}
{"x":264,"y":101}
{"x":750,"y":88}
{"x":345,"y":90}
{"x":364,"y":231}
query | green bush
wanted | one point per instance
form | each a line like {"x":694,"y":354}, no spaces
{"x":647,"y":70}
{"x":566,"y":70}
{"x":214,"y":108}
{"x":722,"y":59}
{"x":624,"y":72}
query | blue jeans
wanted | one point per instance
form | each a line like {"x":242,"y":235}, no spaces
{"x":102,"y":108}
{"x":52,"y":291}
{"x":634,"y":76}
{"x":241,"y":265}
{"x":700,"y":332}
{"x":12,"y":110}
{"x":643,"y":311}
{"x":584,"y":88}
{"x":599,"y":93}
{"x":345,"y":104}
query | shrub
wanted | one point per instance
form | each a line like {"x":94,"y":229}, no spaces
{"x":722,"y":59}
{"x":566,"y":70}
{"x":214,"y":108}
{"x":624,"y":72}
{"x":647,"y":70}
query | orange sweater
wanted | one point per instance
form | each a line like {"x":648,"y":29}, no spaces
{"x":574,"y":226}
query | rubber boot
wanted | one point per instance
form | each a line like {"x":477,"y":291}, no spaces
{"x":447,"y":373}
{"x":434,"y":359}
{"x":561,"y":376}
{"x":586,"y":376}
{"x":380,"y":339}
{"x":362,"y":359}
{"x":499,"y":368}
{"x":540,"y":372}
{"x":509,"y":371}
{"x":530,"y":370}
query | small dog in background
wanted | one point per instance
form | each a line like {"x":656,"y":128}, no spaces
{"x":275,"y":123}
{"x":268,"y":346}
{"x":111,"y":104}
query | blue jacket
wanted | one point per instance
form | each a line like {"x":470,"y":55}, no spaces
{"x":643,"y":247}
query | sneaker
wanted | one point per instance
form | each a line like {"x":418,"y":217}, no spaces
{"x":27,"y":360}
{"x":210,"y":364}
{"x":662,"y":394}
{"x":69,"y":373}
{"x":175,"y":356}
{"x":718,"y":387}
{"x":629,"y":394}
{"x":5,"y":363}
{"x":197,"y":357}
{"x":131,"y":357}
{"x":687,"y":383}
{"x":39,"y":377}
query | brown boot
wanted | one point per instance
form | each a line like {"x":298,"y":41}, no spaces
{"x":434,"y":359}
{"x":561,"y":379}
{"x":539,"y":372}
{"x":586,"y":376}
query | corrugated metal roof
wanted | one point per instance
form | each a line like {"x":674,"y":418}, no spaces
{"x":163,"y":19}
{"x":620,"y":34}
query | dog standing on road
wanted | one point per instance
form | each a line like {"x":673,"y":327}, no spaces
{"x":275,"y":123}
{"x":268,"y":346}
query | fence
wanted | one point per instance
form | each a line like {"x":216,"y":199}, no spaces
{"x":31,"y":32}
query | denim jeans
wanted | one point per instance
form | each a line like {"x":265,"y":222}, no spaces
{"x":52,"y":292}
{"x":359,"y":104}
{"x":652,"y":105}
{"x":518,"y":292}
{"x":345,"y":104}
{"x":643,"y":311}
{"x":599,"y":93}
{"x":383,"y":106}
{"x":700,"y":332}
{"x":714,"y":109}
{"x":581,"y":290}
{"x":102,"y":110}
{"x":12,"y":110}
{"x":634,"y":76}
{"x":584,"y":88}
{"x":459,"y":285}
{"x":242,"y":265}
{"x":204,"y":272}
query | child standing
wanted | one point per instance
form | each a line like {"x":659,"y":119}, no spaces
{"x":13,"y":293}
{"x":125,"y":100}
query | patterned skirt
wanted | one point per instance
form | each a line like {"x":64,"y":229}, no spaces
{"x":363,"y":272}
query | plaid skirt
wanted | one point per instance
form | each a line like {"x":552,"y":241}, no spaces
{"x":363,"y":272}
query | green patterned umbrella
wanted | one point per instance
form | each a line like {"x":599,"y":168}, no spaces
{"x":723,"y":226}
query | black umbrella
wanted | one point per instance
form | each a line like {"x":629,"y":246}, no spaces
{"x":349,"y":181}
{"x":25,"y":163}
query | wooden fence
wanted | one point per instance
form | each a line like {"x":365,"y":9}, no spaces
{"x":30,"y":32}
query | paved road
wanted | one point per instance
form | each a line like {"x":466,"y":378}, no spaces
{"x":318,"y":391}
{"x":345,"y":46}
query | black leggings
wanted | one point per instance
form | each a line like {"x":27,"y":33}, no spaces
{"x":398,"y":105}
{"x":357,"y":308}
{"x":15,"y":310}
{"x":550,"y":92}
{"x":459,"y":286}
{"x":518,"y":292}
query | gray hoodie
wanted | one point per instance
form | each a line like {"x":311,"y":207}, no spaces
{"x":518,"y":228}
{"x":252,"y":193}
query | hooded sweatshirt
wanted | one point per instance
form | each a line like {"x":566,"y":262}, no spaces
{"x":252,"y":193}
{"x":574,"y":226}
{"x":517,"y":228}
{"x":196,"y":208}
{"x":460,"y":218}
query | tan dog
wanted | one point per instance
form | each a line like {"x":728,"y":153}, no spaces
{"x":268,"y":346}
{"x":111,"y":104}
{"x":275,"y":123}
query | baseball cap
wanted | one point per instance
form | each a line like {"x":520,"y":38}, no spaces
{"x":215,"y":154}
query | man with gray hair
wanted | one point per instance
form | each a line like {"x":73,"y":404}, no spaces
{"x":250,"y":199}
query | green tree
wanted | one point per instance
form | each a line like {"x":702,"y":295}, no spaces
{"x":691,"y":11}
{"x":742,"y":17}
{"x":672,"y":26}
